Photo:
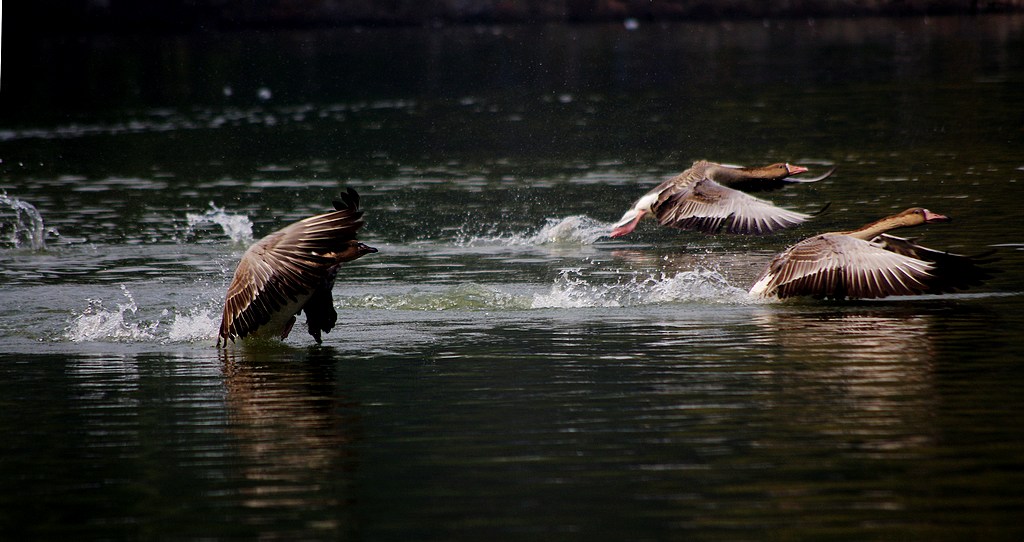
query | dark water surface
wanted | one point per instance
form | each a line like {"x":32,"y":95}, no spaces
{"x":505,"y":370}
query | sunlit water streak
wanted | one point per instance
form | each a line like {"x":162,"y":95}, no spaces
{"x":170,"y":120}
{"x":125,"y":321}
{"x":119,"y":317}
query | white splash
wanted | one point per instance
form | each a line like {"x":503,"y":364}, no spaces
{"x":573,"y":290}
{"x":571,"y":230}
{"x":570,"y":290}
{"x":577,"y":229}
{"x":126,"y":323}
{"x":198,"y":325}
{"x":237,"y":227}
{"x":97,"y":323}
{"x":26,"y":230}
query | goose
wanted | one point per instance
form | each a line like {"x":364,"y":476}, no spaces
{"x":707,"y":197}
{"x":290,"y":271}
{"x":869,"y":263}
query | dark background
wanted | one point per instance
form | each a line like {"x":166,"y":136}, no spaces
{"x":57,"y":16}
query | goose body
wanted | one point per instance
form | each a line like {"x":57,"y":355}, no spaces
{"x":707,"y":197}
{"x":290,"y":271}
{"x":869,"y":263}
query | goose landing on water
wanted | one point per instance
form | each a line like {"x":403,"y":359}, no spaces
{"x":290,"y":271}
{"x":707,"y":198}
{"x":869,"y":263}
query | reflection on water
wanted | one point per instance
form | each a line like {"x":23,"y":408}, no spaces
{"x":849,"y":334}
{"x":873,"y":368}
{"x":296,"y":432}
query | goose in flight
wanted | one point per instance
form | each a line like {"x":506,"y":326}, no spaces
{"x":869,"y":263}
{"x":707,"y":197}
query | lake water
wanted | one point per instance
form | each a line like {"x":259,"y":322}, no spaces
{"x":503,"y":370}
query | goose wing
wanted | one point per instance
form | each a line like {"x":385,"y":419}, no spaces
{"x":284,"y":268}
{"x":673,"y":186}
{"x":952,"y":271}
{"x":710,"y":207}
{"x":839,"y":266}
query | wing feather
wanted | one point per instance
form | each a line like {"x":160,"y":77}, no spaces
{"x":952,"y":271}
{"x":286,"y":267}
{"x":840,"y":266}
{"x":710,"y":207}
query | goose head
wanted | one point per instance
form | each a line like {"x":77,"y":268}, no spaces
{"x":779,"y":170}
{"x":915,"y":216}
{"x":352,"y":250}
{"x":919,"y":215}
{"x":641,"y":208}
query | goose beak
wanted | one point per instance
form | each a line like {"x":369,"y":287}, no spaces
{"x":366,"y":249}
{"x":931,"y":218}
{"x":628,"y":223}
{"x":795,"y":170}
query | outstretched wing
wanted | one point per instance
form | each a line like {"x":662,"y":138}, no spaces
{"x":839,"y":266}
{"x":952,"y":271}
{"x":709,"y":207}
{"x":284,"y":268}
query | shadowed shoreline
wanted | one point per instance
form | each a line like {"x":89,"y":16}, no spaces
{"x":60,"y":16}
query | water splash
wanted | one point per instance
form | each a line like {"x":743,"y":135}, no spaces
{"x":237,"y":227}
{"x":573,"y":290}
{"x":127,"y":324}
{"x":198,"y":325}
{"x":571,"y":230}
{"x":26,"y":230}
{"x":198,"y":321}
{"x":96,"y":323}
{"x":577,"y":229}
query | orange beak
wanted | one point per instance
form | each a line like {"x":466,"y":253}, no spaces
{"x":930,"y":217}
{"x":627,"y":227}
{"x":795,"y":170}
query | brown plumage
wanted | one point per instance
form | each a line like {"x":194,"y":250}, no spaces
{"x":290,"y":271}
{"x":869,"y":263}
{"x":707,"y":197}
